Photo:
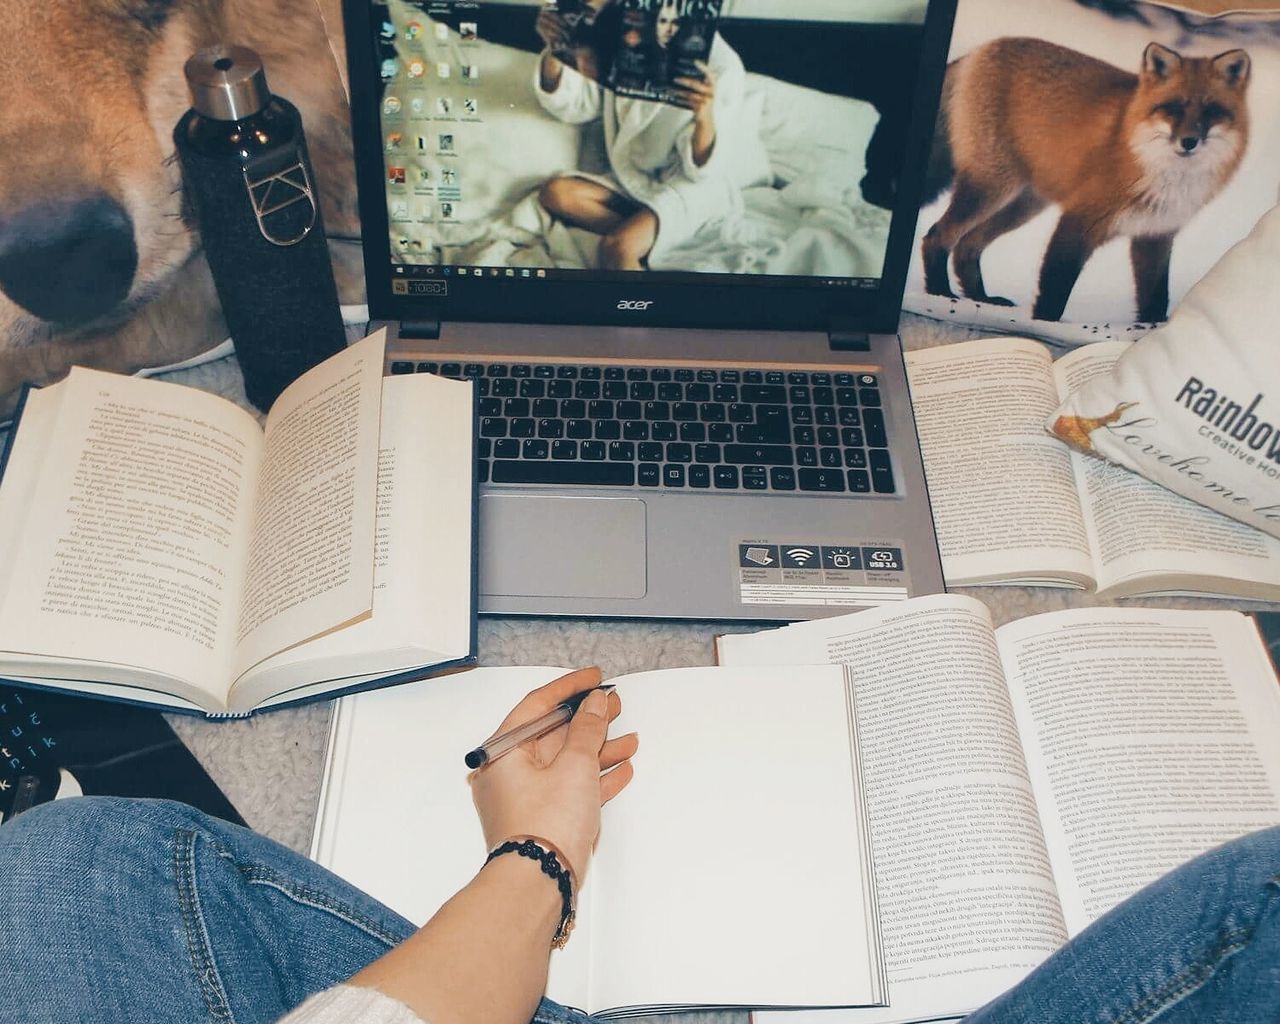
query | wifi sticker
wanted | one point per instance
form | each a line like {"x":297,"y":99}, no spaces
{"x":801,"y":556}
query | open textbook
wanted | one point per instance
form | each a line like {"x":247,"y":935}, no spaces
{"x":1023,"y":780}
{"x":734,"y":870}
{"x":1012,"y":504}
{"x":157,"y":545}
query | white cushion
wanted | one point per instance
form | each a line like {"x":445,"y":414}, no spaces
{"x":1195,"y":405}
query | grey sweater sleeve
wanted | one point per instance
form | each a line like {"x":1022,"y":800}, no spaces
{"x":348,"y":1004}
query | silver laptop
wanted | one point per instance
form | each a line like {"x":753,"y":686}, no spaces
{"x":669,"y":239}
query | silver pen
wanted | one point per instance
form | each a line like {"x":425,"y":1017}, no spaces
{"x":504,"y":743}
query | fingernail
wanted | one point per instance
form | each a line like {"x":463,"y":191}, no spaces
{"x":595,"y":702}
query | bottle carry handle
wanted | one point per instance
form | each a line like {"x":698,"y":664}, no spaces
{"x":276,"y":191}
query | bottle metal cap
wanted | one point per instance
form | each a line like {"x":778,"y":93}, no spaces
{"x":227,"y":83}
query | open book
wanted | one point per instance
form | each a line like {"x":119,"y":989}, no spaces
{"x":732,"y":871}
{"x":1012,"y":504}
{"x":1023,"y":780}
{"x":158,"y":545}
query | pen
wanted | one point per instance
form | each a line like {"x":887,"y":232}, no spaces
{"x":493,"y":748}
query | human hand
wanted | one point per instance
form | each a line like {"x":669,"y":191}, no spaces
{"x":553,"y":787}
{"x":697,"y":94}
{"x":551,"y":29}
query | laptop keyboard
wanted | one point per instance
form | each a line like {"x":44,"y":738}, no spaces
{"x":708,"y":429}
{"x":28,"y":770}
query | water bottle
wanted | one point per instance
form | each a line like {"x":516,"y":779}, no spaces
{"x":252,"y":191}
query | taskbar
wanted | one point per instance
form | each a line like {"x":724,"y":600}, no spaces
{"x":417,"y":271}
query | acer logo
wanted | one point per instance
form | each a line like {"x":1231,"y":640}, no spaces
{"x":630,"y":304}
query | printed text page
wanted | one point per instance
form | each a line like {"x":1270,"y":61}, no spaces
{"x":310,"y":562}
{"x":131,"y":552}
{"x":1151,"y":736}
{"x":968,"y":903}
{"x":1004,"y":500}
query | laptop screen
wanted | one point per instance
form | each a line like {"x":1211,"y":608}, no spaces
{"x":728,"y":150}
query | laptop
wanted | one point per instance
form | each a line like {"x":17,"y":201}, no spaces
{"x":669,"y":240}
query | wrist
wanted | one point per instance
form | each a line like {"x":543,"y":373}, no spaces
{"x":527,"y":894}
{"x":550,"y":72}
{"x":545,"y":868}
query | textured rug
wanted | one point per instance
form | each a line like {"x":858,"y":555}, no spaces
{"x":270,"y":766}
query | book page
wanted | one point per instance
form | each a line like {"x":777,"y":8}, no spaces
{"x":396,"y":817}
{"x":968,"y":903}
{"x":1147,"y":539}
{"x":131,"y":551}
{"x":731,"y":866}
{"x":22,"y":472}
{"x":1004,"y":500}
{"x":1151,"y":737}
{"x":422,"y":601}
{"x":310,"y":562}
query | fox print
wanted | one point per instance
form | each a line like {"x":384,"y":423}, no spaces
{"x":1026,"y":123}
{"x":99,"y":263}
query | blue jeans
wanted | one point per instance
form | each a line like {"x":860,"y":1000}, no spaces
{"x":138,"y":910}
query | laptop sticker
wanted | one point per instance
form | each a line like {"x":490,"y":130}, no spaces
{"x":821,"y":572}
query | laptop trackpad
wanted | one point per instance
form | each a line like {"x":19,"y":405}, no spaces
{"x":550,"y":546}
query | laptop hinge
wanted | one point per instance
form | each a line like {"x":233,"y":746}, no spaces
{"x":844,"y":340}
{"x":420,"y":330}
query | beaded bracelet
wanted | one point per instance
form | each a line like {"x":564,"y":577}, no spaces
{"x":554,"y":867}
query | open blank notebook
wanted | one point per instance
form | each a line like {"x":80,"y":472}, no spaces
{"x":734,"y":871}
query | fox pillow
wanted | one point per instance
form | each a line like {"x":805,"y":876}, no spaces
{"x":1195,"y":405}
{"x":1092,"y":161}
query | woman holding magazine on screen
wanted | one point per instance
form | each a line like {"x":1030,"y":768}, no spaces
{"x":149,"y":911}
{"x":672,"y":123}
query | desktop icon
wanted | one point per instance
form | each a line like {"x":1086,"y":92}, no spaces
{"x":416,"y":68}
{"x":391,"y":106}
{"x":467,"y":30}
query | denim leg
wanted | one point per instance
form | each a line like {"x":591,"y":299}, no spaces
{"x":148,"y":911}
{"x":1199,"y":946}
